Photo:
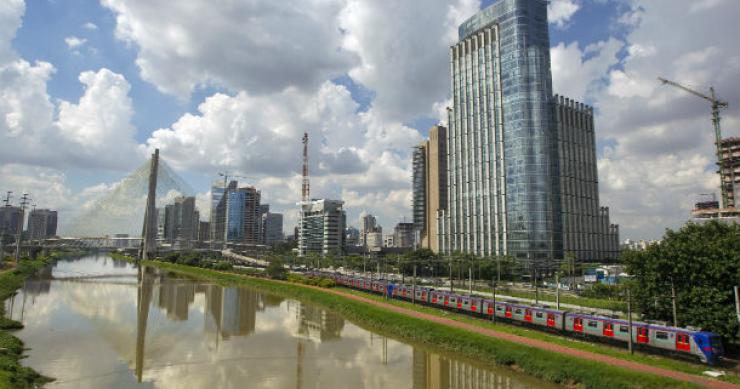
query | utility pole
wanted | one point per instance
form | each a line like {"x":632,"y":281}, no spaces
{"x":493,"y":295}
{"x":629,"y":320}
{"x":24,"y":201}
{"x":557,"y":290}
{"x":673,"y":301}
{"x":536,"y":288}
{"x":470,"y":279}
{"x":450,"y":263}
{"x":413,"y":288}
{"x":737,"y":303}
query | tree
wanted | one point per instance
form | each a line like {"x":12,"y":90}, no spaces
{"x":276,"y":269}
{"x":702,"y":263}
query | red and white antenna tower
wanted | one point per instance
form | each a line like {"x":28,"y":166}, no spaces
{"x":305,"y":190}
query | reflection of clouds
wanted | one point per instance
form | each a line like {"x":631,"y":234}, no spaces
{"x":201,"y":335}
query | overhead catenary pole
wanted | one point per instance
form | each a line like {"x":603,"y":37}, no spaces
{"x":629,"y":320}
{"x":737,"y":303}
{"x":493,"y":295}
{"x":19,"y":233}
{"x":673,"y":303}
{"x":557,"y":290}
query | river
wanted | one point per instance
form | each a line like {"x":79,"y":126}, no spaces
{"x":96,"y":322}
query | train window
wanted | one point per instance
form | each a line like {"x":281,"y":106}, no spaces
{"x":593,"y":323}
{"x":661,"y":334}
{"x":624,"y":329}
{"x":539,"y":315}
{"x":518,"y":311}
{"x":499,"y":308}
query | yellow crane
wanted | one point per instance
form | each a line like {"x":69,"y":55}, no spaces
{"x":717,"y":104}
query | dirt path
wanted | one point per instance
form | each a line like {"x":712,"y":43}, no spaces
{"x":699,"y":380}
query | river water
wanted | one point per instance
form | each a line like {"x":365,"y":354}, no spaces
{"x":96,"y":322}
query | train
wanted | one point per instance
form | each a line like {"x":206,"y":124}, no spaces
{"x":688,"y":342}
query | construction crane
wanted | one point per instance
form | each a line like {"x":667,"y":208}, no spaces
{"x":226,"y":177}
{"x":716,"y":106}
{"x":305,"y":188}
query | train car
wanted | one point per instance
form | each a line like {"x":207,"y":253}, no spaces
{"x":704,"y":345}
{"x":473,"y":305}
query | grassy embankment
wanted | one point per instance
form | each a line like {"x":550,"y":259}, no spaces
{"x":12,"y":374}
{"x":546,"y":365}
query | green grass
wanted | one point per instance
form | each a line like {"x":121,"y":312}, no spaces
{"x":12,"y":374}
{"x":545,"y":365}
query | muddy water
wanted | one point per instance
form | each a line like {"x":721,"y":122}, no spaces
{"x":95,"y":322}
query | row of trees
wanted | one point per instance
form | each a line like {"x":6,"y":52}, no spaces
{"x":699,"y":265}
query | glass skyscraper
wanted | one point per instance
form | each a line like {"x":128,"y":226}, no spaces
{"x":502,"y":165}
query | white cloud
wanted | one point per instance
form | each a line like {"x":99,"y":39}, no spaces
{"x":74,"y":42}
{"x":261,"y":47}
{"x":259,"y":137}
{"x":661,"y":144}
{"x":90,"y":26}
{"x":559,"y":12}
{"x":11,"y":12}
{"x":576,"y":77}
{"x":404,"y":51}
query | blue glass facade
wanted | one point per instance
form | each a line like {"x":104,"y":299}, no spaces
{"x":235,"y":215}
{"x":503,"y":193}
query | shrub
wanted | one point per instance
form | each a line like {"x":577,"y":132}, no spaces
{"x":276,"y":269}
{"x":223,"y":266}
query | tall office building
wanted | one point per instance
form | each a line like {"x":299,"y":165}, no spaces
{"x":188,"y":219}
{"x":351,"y":236}
{"x":243,"y":221}
{"x":42,"y":224}
{"x":10,"y":220}
{"x":204,"y":231}
{"x":218,"y":208}
{"x":272,"y":228}
{"x":368,"y":224}
{"x":429,"y":187}
{"x":321,"y":227}
{"x":503,"y":195}
{"x":587,"y":233}
{"x":180,"y":220}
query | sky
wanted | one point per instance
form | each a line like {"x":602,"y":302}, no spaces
{"x":88,"y":89}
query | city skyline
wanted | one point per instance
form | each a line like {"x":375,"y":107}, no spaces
{"x":364,"y":110}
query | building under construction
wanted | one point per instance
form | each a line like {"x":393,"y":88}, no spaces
{"x":729,"y":164}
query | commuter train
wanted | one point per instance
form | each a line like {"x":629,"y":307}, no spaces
{"x":705,"y":345}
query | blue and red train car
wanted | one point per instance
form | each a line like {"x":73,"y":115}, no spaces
{"x":706,"y":346}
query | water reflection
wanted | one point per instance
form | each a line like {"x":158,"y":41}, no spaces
{"x":101,"y":323}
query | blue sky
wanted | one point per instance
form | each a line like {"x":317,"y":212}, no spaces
{"x":208,"y":78}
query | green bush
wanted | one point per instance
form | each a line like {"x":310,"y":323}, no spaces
{"x":222,"y":266}
{"x":276,"y":269}
{"x":327,"y":283}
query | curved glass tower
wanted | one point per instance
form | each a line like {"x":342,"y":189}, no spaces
{"x":503,"y":193}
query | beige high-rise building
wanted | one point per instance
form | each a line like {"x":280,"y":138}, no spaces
{"x":429,"y":187}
